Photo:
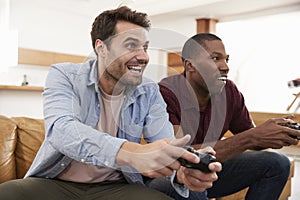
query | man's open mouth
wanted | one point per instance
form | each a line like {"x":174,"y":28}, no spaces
{"x":222,"y":78}
{"x":136,"y":68}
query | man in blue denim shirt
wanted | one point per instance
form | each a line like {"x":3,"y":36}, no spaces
{"x":96,"y":114}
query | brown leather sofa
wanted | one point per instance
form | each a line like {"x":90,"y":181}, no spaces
{"x":21,"y":137}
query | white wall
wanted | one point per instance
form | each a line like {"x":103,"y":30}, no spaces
{"x":39,"y":28}
{"x":264,"y":56}
{"x":178,"y":28}
{"x":22,"y":103}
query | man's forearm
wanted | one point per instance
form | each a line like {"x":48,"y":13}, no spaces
{"x":231,"y":146}
{"x":126,"y":152}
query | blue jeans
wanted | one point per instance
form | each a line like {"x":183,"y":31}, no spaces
{"x":265,"y":173}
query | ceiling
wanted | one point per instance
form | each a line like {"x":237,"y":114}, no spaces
{"x":223,"y":10}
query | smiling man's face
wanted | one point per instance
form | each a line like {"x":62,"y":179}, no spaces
{"x":211,"y":63}
{"x":126,"y":57}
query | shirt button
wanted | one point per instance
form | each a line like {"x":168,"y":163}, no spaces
{"x":62,"y":164}
{"x":106,"y":163}
{"x":82,"y":160}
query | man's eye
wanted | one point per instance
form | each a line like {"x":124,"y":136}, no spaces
{"x":131,"y":46}
{"x":145,"y":47}
{"x":214,"y":58}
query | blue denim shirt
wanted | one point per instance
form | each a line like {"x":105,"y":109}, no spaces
{"x":71,"y":111}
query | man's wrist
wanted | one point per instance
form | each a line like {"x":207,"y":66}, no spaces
{"x":124,"y":155}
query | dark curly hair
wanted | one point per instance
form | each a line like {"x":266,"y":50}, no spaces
{"x":104,"y":25}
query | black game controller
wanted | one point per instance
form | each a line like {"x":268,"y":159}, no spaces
{"x":205,"y":159}
{"x":295,"y":126}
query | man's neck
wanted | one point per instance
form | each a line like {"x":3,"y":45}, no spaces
{"x":203,"y":97}
{"x":109,"y":85}
{"x":203,"y":101}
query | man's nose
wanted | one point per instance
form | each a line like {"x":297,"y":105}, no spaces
{"x":223,"y":67}
{"x":142,"y":55}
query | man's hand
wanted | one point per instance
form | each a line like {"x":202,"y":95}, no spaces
{"x":196,"y":180}
{"x":271,"y":134}
{"x":155,"y":159}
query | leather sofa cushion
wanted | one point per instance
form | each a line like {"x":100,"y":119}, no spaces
{"x":8,"y":141}
{"x":31,"y":133}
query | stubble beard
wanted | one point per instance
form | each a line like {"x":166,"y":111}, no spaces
{"x":125,"y":79}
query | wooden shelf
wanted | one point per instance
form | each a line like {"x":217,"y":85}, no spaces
{"x":46,"y":58}
{"x":22,"y":88}
{"x":41,"y":58}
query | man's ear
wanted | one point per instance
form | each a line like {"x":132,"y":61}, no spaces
{"x":188,"y":66}
{"x":100,"y":48}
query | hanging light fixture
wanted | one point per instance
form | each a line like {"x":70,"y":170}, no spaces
{"x":8,"y":39}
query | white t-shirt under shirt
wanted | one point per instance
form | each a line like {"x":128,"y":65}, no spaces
{"x":108,"y":123}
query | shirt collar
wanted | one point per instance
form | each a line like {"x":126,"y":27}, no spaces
{"x":93,"y":76}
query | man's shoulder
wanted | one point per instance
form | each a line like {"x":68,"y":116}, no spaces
{"x":231,"y":86}
{"x":173,"y":83}
{"x":230,"y":83}
{"x":234,"y":95}
{"x":171,"y":80}
{"x":176,"y":89}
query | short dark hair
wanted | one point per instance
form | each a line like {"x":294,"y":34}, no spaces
{"x":196,"y":42}
{"x":104,"y":25}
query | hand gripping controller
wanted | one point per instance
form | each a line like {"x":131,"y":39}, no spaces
{"x":205,"y":159}
{"x":295,"y":126}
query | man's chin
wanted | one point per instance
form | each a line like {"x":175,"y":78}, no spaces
{"x":131,"y":81}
